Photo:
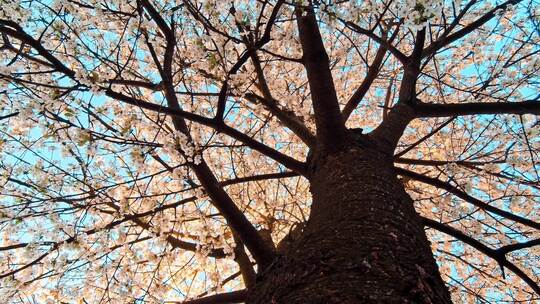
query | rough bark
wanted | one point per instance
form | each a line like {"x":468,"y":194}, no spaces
{"x":363,"y":243}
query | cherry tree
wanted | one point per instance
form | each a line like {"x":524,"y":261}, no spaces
{"x":269,"y":151}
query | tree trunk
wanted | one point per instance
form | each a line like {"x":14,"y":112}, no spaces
{"x":363,"y":243}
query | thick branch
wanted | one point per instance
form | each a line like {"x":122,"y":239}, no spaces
{"x":262,"y":253}
{"x":331,"y":131}
{"x":156,"y":16}
{"x":220,"y":199}
{"x":222,"y":298}
{"x":392,"y":128}
{"x":407,"y":90}
{"x":243,"y":261}
{"x":19,"y":34}
{"x":259,"y":177}
{"x":518,"y":246}
{"x":433,"y":162}
{"x":9,"y":115}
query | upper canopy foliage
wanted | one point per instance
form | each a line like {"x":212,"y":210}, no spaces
{"x":136,"y":136}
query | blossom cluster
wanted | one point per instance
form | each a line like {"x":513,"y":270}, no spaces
{"x":418,"y":13}
{"x":14,"y":11}
{"x":90,"y":80}
{"x":180,"y":144}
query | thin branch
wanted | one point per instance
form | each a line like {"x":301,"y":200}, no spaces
{"x":9,"y":115}
{"x":424,"y":138}
{"x":462,"y":109}
{"x":219,"y":197}
{"x":466,"y":197}
{"x":447,"y":39}
{"x":290,"y":120}
{"x":392,"y":49}
{"x":259,"y":177}
{"x":371,"y":75}
{"x":250,"y":52}
{"x":492,"y":253}
{"x":281,"y":158}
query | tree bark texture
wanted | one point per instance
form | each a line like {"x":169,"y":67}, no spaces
{"x":363,"y":243}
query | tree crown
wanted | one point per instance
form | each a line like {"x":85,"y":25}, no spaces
{"x":156,"y":150}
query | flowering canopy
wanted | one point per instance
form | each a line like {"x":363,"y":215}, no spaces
{"x":136,"y":136}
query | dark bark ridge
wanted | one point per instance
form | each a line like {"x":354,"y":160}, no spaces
{"x":363,"y":243}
